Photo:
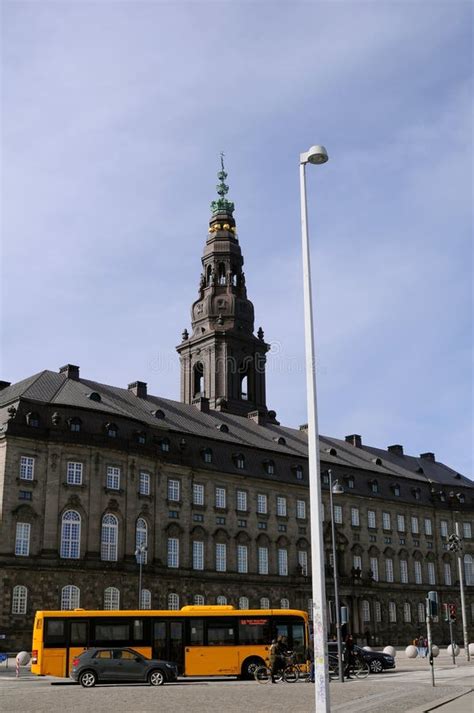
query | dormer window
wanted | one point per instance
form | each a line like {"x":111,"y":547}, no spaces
{"x":75,"y":424}
{"x":281,"y":441}
{"x":374,"y":486}
{"x":442,"y":496}
{"x":377,"y":461}
{"x":165,"y":445}
{"x":158,"y":413}
{"x":112,"y":430}
{"x":269,"y":466}
{"x":239,"y":461}
{"x":299,"y":472}
{"x":94,"y":396}
{"x":461,"y":497}
{"x":223,"y":428}
{"x":206,"y":454}
{"x":32,"y":419}
{"x":350,"y":482}
{"x":331,"y":451}
{"x":416,"y":493}
{"x":326,"y":478}
{"x":396,"y":490}
{"x":140,"y":438}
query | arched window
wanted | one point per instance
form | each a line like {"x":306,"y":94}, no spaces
{"x":141,"y":540}
{"x":173,"y":601}
{"x":111,"y":598}
{"x":284,"y":603}
{"x":239,"y":461}
{"x":468,"y":570}
{"x":221,"y":600}
{"x":221,"y":273}
{"x":407,"y":612}
{"x":32,"y":419}
{"x":244,"y":387}
{"x":146,"y":599}
{"x":75,"y":424}
{"x":109,"y":538}
{"x":70,"y":535}
{"x":365,"y":611}
{"x":243,"y":603}
{"x":111,"y":430}
{"x":199,"y":600}
{"x":209,"y":274}
{"x":165,"y":445}
{"x":70,"y":597}
{"x":198,"y":379}
{"x":264,"y":603}
{"x":19,"y":599}
{"x":207,"y":455}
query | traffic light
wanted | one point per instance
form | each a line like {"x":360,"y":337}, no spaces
{"x":452,"y":612}
{"x":432,"y":603}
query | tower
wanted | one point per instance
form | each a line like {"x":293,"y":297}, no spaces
{"x":222,"y":360}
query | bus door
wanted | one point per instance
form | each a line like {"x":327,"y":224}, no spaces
{"x":294,"y":631}
{"x":78,"y":638}
{"x":168,"y":641}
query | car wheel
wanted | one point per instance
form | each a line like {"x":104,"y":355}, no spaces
{"x":156,"y":678}
{"x":249,"y":667}
{"x":88,"y":679}
{"x":376,"y":666}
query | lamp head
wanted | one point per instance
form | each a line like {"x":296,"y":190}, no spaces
{"x":337,"y":488}
{"x":316,"y":154}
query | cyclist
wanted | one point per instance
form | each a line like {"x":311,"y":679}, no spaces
{"x":278,"y":651}
{"x":348,"y":655}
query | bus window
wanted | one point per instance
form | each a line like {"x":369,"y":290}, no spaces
{"x":254,"y":631}
{"x":159,"y":640}
{"x":137,"y":630}
{"x":196,"y":632}
{"x":298,"y":641}
{"x":176,"y":649}
{"x":112,"y":632}
{"x":78,"y":633}
{"x":220,"y":632}
{"x":55,"y":632}
{"x":281,"y":629}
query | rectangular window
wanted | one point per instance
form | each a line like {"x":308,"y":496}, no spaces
{"x":281,"y":506}
{"x":196,"y":630}
{"x":198,"y":494}
{"x":220,"y":633}
{"x":389,"y":570}
{"x":220,"y":498}
{"x":467,"y":530}
{"x":357,"y":562}
{"x":262,"y":504}
{"x":27,"y":468}
{"x":355,"y":517}
{"x":374,"y":566}
{"x":414,"y":526}
{"x":198,"y":517}
{"x":283,"y":562}
{"x":263,"y":560}
{"x":25,"y":495}
{"x":428,"y":527}
{"x":113,"y":477}
{"x":338,"y":514}
{"x":431,"y":573}
{"x":254,"y":631}
{"x":371,"y":521}
{"x":401,"y":523}
{"x":173,"y":552}
{"x":447,"y":574}
{"x":421,"y":613}
{"x":198,"y":554}
{"x":173,"y":490}
{"x":242,"y":559}
{"x":303,"y":562}
{"x":112,"y":632}
{"x":301,"y":509}
{"x":221,"y":557}
{"x":418,"y":573}
{"x":404,"y":571}
{"x":74,"y":473}
{"x":378,"y":612}
{"x":392,"y":612}
{"x":443,"y":528}
{"x":242,"y":500}
{"x":386,"y":523}
{"x":241,"y":523}
{"x":22,"y":541}
{"x":144,"y":483}
{"x":407,"y":612}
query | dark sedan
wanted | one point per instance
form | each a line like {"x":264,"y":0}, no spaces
{"x":119,"y":665}
{"x":377,"y":660}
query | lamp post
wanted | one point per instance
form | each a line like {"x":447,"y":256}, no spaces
{"x":455,"y":545}
{"x":336,"y":489}
{"x":315,"y":155}
{"x":140,"y":555}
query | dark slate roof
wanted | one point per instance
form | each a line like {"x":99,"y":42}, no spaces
{"x":49,"y":387}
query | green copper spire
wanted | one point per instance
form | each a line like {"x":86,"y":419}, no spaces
{"x":222,"y":205}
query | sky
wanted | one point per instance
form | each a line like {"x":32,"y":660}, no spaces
{"x":114,"y":114}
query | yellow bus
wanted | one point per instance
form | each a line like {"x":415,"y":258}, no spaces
{"x":202,"y":640}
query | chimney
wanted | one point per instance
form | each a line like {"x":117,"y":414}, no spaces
{"x":138,"y":388}
{"x":70,"y":371}
{"x":428,"y":456}
{"x":304,"y":427}
{"x":201,"y":403}
{"x":354,"y":440}
{"x":258,"y":416}
{"x":396,"y":449}
{"x":4,"y":385}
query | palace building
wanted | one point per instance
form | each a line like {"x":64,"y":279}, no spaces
{"x":208,"y":496}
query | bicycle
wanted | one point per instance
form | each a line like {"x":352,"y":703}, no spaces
{"x":359,"y":668}
{"x":263,"y":674}
{"x":295,"y":671}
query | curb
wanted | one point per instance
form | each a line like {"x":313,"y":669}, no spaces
{"x":433,"y":705}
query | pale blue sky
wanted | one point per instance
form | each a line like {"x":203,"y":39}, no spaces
{"x":114,"y":114}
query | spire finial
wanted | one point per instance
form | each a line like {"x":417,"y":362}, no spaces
{"x":222,"y":205}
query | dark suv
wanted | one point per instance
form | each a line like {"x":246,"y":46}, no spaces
{"x":120,"y":665}
{"x":377,"y":661}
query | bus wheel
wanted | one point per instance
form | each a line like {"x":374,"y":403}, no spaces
{"x":249,"y":667}
{"x":88,"y":679}
{"x":156,"y":678}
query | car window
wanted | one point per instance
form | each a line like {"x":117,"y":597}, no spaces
{"x":103,"y":655}
{"x":129,"y":655}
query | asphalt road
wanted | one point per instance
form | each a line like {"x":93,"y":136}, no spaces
{"x":408,"y":689}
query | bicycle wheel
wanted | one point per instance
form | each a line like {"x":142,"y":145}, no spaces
{"x":333,"y":668}
{"x":263,"y":674}
{"x":361,"y":669}
{"x":291,"y":674}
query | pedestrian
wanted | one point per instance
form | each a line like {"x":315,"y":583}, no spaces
{"x":425,"y":647}
{"x":348,"y":655}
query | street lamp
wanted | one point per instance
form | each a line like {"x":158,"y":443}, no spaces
{"x":336,"y":489}
{"x":316,"y":155}
{"x":455,"y":545}
{"x":140,"y":555}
